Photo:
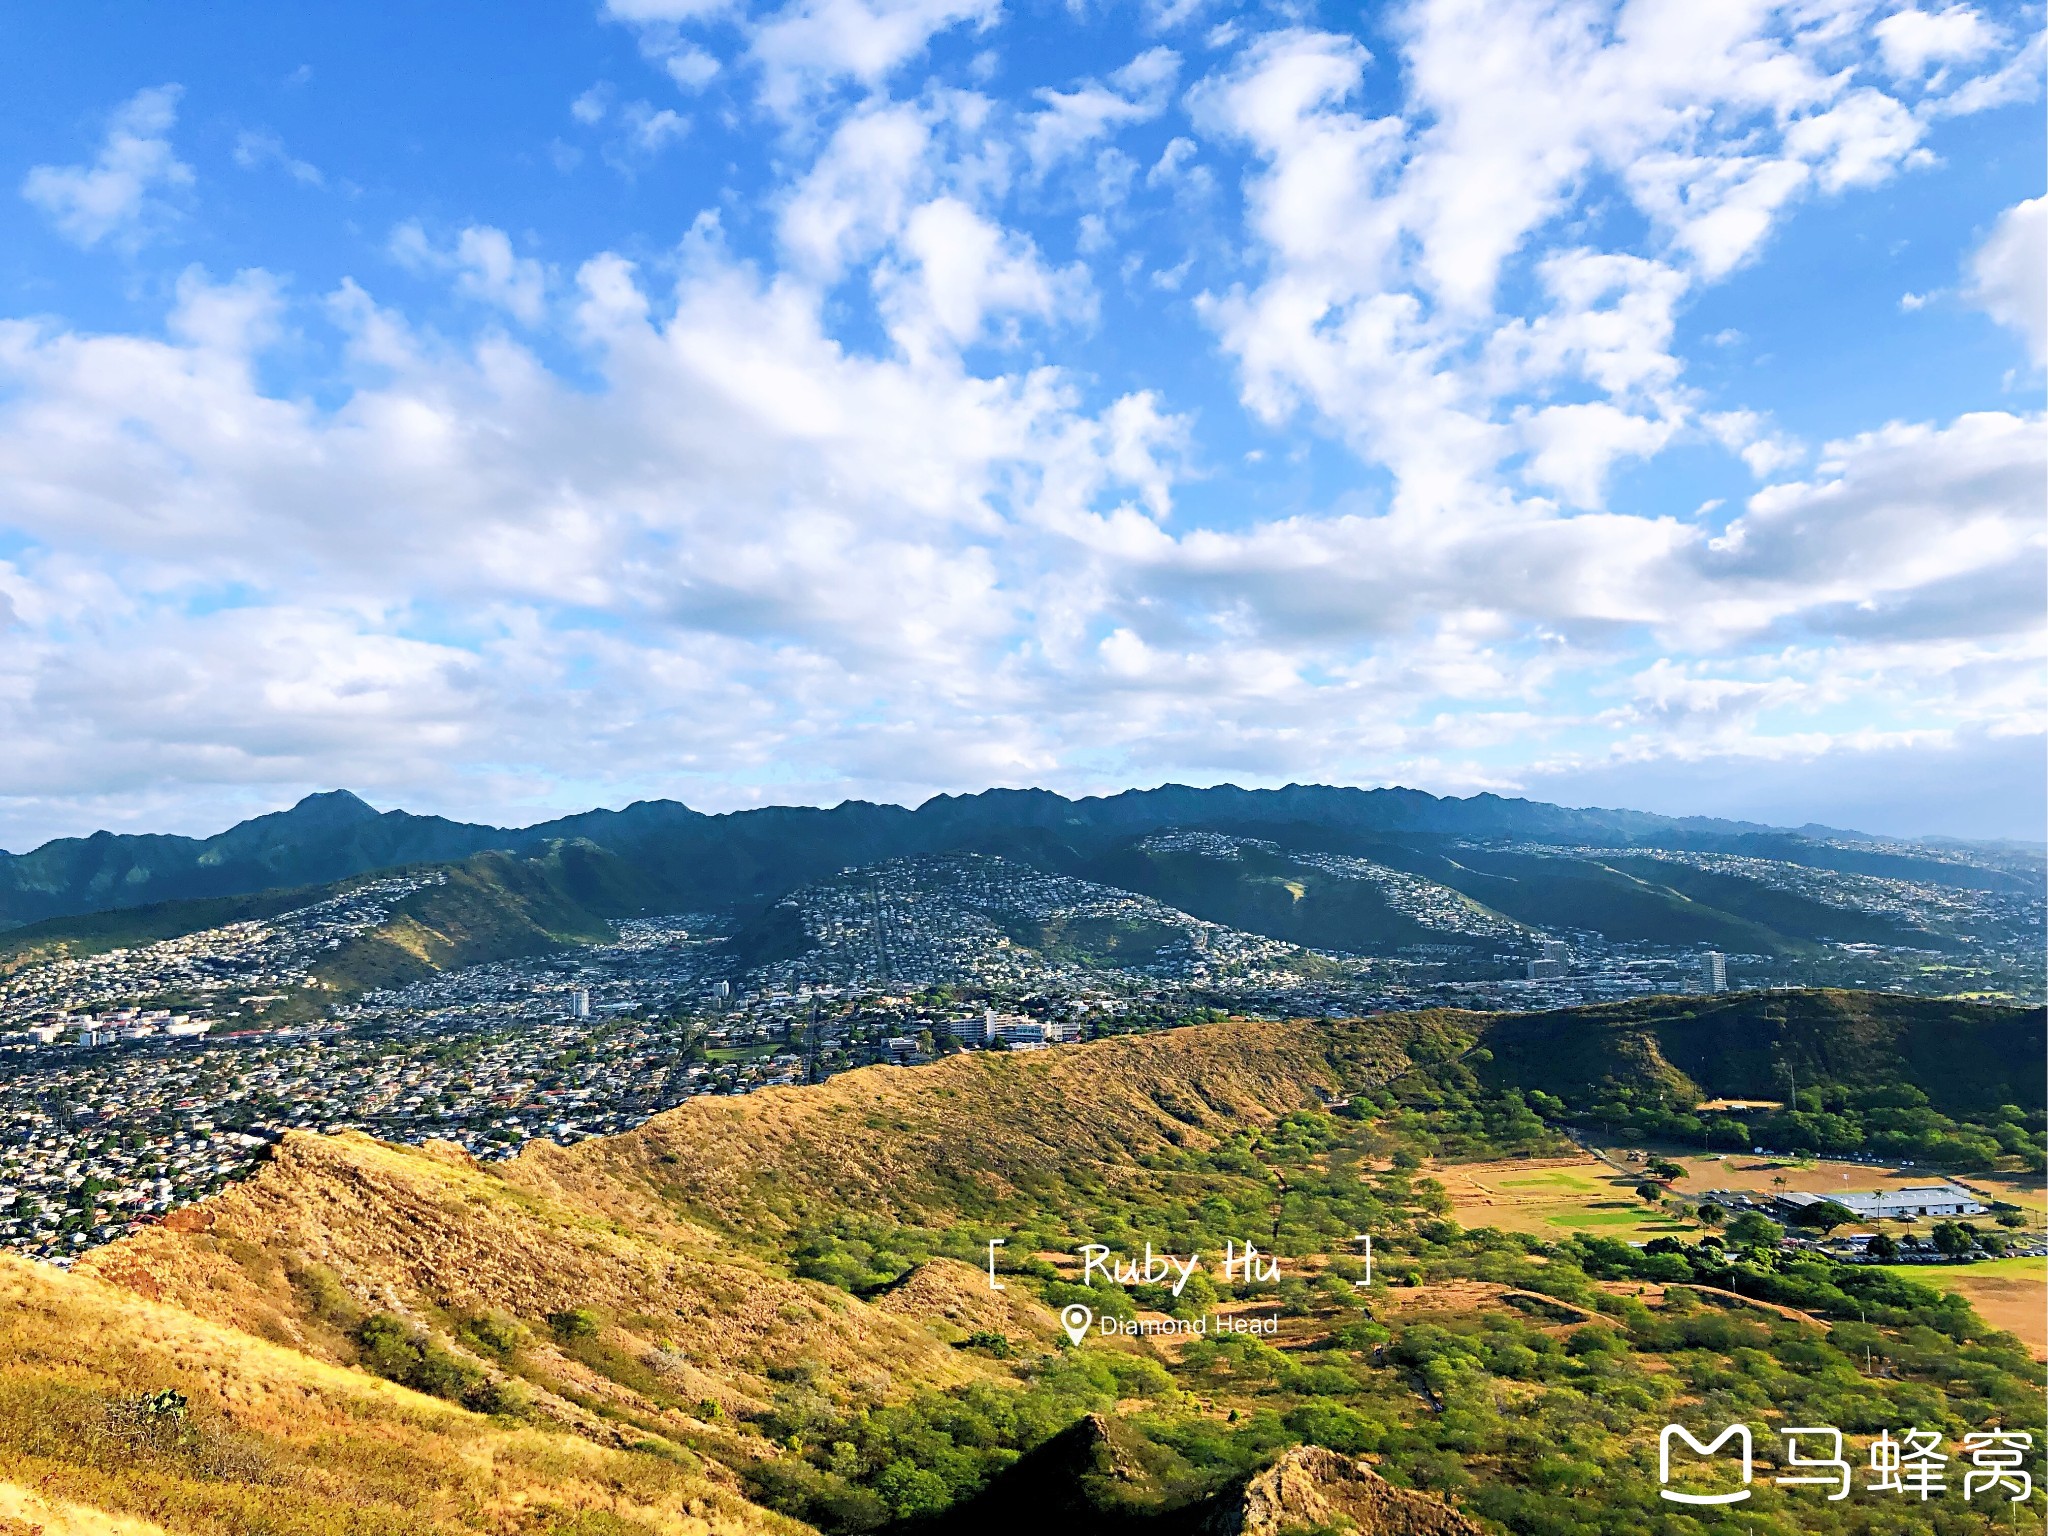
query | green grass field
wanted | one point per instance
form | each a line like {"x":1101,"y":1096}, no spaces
{"x":1985,"y":1269}
{"x":1553,"y":1199}
{"x":725,"y":1053}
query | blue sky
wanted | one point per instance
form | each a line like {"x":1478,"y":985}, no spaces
{"x":500,"y":410}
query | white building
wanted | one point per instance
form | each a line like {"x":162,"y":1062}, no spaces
{"x":1714,"y":971}
{"x":1909,"y":1201}
{"x":1016,"y":1031}
{"x":579,"y":1003}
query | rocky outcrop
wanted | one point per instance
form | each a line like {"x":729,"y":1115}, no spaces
{"x":1315,"y":1489}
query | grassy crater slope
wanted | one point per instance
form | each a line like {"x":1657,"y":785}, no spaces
{"x":647,"y":1290}
{"x":778,"y":1301}
{"x":262,"y":1437}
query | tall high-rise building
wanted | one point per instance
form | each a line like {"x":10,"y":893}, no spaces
{"x":1714,"y":971}
{"x":1553,"y":958}
{"x":579,"y":1003}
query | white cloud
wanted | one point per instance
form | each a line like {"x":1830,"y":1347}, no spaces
{"x":1858,"y":142}
{"x":1750,"y":436}
{"x":1912,"y":39}
{"x":119,"y":193}
{"x":1907,"y":527}
{"x":484,"y":265}
{"x":659,"y":11}
{"x":2009,"y":274}
{"x":691,"y":68}
{"x":811,"y":46}
{"x":2017,"y":79}
{"x":256,"y":149}
{"x":1575,"y":447}
{"x":1383,"y":232}
{"x":1072,"y":120}
{"x":651,"y":129}
{"x":964,"y":271}
{"x":854,"y":198}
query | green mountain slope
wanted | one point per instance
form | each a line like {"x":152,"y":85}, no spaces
{"x":493,"y":906}
{"x":490,"y":906}
{"x":1288,"y":886}
{"x":94,"y":933}
{"x":1964,"y":1057}
{"x":1267,"y":891}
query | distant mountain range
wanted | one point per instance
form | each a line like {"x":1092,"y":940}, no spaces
{"x":683,"y":857}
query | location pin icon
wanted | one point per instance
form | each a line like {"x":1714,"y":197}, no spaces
{"x":1076,"y":1319}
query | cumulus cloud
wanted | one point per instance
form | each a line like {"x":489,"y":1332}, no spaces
{"x":963,"y":271}
{"x":813,"y":46}
{"x":484,"y":266}
{"x":2009,"y":274}
{"x":1384,"y":234}
{"x":120,"y":194}
{"x":1912,"y":39}
{"x":854,"y":198}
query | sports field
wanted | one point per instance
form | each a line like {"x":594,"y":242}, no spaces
{"x":2008,"y":1293}
{"x":1551,"y":1197}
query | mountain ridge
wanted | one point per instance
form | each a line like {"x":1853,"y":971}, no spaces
{"x":757,"y":853}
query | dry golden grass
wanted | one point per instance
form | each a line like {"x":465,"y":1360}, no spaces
{"x":1822,"y":1176}
{"x":430,"y":1236}
{"x":2008,"y":1293}
{"x":276,"y":1441}
{"x":982,"y":1125}
{"x":2028,"y":1191}
{"x":24,"y":1512}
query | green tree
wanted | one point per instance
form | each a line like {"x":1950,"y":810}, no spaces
{"x":1753,"y":1229}
{"x":1827,"y":1215}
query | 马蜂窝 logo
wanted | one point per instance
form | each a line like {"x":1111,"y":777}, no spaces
{"x":1736,"y":1432}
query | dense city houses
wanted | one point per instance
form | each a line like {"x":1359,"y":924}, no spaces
{"x":139,"y":1078}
